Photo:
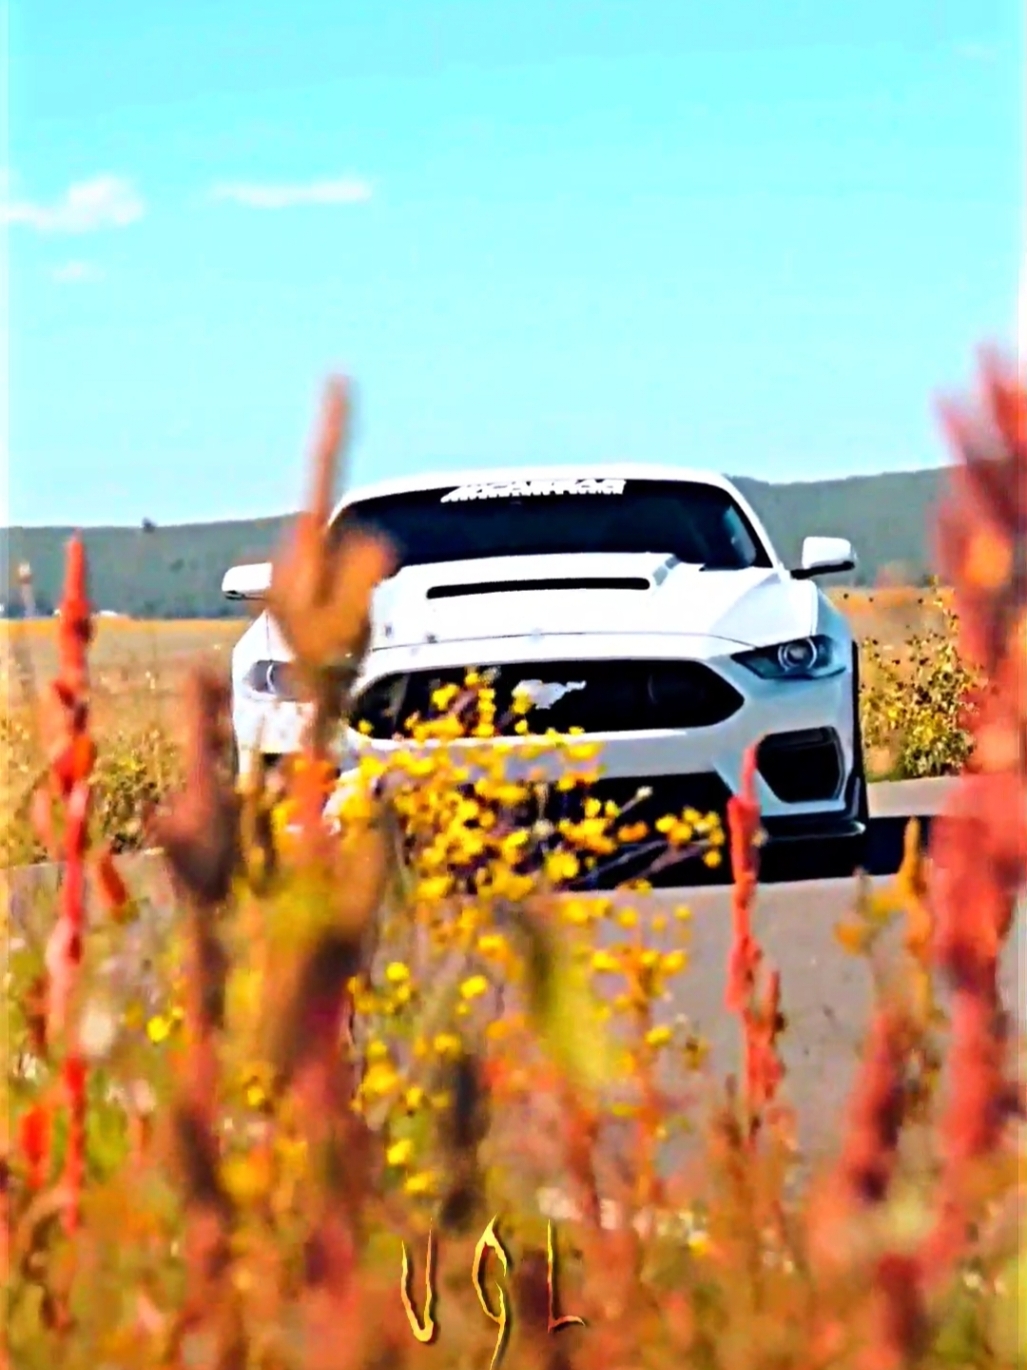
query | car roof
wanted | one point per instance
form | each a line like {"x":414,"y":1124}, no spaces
{"x":440,"y":480}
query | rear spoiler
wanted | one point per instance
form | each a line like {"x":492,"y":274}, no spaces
{"x":247,"y":582}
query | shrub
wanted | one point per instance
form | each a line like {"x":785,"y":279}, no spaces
{"x":916,"y":703}
{"x":364,"y":1040}
{"x":138,"y":763}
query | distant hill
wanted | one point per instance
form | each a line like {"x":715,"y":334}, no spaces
{"x":175,"y":571}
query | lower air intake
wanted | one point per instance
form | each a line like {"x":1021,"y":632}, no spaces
{"x":801,"y":767}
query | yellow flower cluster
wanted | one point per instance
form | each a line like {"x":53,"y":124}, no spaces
{"x":471,"y":809}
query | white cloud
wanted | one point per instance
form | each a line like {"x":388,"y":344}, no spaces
{"x":77,"y":273}
{"x":344,"y":191}
{"x":103,"y":202}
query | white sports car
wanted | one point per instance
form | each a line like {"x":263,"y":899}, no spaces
{"x":645,"y":605}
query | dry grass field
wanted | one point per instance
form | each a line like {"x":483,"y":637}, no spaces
{"x":130,"y":658}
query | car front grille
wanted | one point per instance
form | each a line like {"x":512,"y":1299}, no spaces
{"x":604,"y":697}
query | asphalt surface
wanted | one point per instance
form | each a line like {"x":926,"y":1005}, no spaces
{"x":827,"y":994}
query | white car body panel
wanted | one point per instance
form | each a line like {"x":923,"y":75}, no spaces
{"x":743,"y":607}
{"x":685,"y":614}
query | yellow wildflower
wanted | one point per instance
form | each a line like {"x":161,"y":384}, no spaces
{"x":562,"y":865}
{"x":400,"y":1153}
{"x":605,"y":963}
{"x":246,"y":1178}
{"x":513,"y":845}
{"x":256,"y":1095}
{"x":380,"y":1080}
{"x":474,"y":987}
{"x":578,"y":912}
{"x":492,"y":944}
{"x":446,"y":1044}
{"x":853,"y":937}
{"x":583,"y":752}
{"x":443,"y":697}
{"x":434,"y":888}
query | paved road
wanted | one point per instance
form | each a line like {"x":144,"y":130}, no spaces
{"x":827,"y":994}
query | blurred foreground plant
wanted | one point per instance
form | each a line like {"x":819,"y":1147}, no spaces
{"x":382,"y":1017}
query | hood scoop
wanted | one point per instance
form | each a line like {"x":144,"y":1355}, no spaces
{"x":506,"y":587}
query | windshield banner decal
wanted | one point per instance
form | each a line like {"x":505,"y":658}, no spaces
{"x":514,"y":489}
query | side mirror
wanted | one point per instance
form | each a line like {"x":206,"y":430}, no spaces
{"x":824,"y":557}
{"x":247,"y":582}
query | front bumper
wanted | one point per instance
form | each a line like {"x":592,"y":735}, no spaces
{"x":806,"y":735}
{"x":805,"y":732}
{"x":265,"y":728}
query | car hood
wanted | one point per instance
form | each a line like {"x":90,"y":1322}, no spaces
{"x":623,"y":594}
{"x":508,"y":597}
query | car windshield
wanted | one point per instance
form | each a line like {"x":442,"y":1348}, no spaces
{"x":699,"y":524}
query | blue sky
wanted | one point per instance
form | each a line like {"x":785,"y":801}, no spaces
{"x":756,"y":236}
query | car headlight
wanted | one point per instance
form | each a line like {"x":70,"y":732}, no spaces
{"x":276,"y":679}
{"x":803,"y":658}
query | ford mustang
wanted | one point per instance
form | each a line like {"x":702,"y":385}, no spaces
{"x":643,"y":605}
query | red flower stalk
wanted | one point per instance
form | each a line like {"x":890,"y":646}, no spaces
{"x":74,"y":1077}
{"x":979,"y":847}
{"x":877,"y":1107}
{"x":897,"y":1323}
{"x":198,"y":832}
{"x":72,"y":754}
{"x":34,"y":1141}
{"x":760,"y":1015}
{"x":111,"y":888}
